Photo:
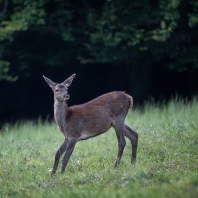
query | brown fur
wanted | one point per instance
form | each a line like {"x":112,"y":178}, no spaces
{"x":88,"y":120}
{"x":102,"y":113}
{"x":103,"y":109}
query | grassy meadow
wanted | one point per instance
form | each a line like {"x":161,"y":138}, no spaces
{"x":167,"y":158}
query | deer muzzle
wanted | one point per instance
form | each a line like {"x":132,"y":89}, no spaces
{"x":66,"y":97}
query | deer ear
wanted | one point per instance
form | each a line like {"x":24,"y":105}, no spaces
{"x":68,"y":81}
{"x":49,"y":82}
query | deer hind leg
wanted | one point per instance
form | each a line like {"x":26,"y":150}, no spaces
{"x":121,"y":142}
{"x":59,"y":152}
{"x":133,"y":137}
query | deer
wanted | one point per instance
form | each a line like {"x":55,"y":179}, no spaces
{"x":84,"y":121}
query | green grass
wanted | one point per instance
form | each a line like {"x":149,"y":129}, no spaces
{"x":167,"y":159}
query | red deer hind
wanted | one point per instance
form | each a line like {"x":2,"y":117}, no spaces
{"x":88,"y":120}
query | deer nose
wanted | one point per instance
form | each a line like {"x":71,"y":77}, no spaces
{"x":66,"y":96}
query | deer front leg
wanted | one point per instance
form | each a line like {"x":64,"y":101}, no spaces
{"x":59,"y":152}
{"x":70,"y":147}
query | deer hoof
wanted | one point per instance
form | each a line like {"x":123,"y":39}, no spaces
{"x":116,"y":162}
{"x":62,"y":172}
{"x":133,"y":160}
{"x":53,"y":173}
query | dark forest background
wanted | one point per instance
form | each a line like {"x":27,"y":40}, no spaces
{"x":148,"y":48}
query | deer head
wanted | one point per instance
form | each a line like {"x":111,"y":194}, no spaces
{"x":60,"y":90}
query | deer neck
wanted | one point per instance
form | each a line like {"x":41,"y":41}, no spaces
{"x":60,"y":108}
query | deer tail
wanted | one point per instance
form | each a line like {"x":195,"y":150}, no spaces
{"x":130,"y":100}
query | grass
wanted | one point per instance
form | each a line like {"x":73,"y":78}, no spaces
{"x":167,"y":159}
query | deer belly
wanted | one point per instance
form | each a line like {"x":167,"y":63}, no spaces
{"x":85,"y":136}
{"x":89,"y":134}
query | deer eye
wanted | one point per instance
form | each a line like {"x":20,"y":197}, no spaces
{"x":56,"y":90}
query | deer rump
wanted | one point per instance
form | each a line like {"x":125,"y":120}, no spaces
{"x":98,"y":115}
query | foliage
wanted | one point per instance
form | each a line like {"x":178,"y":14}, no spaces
{"x":19,"y":17}
{"x":127,"y":31}
{"x":23,"y":15}
{"x":110,"y":31}
{"x":166,"y":165}
{"x":4,"y":68}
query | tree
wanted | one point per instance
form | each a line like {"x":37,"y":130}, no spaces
{"x":129,"y":30}
{"x":107,"y":31}
{"x":17,"y":18}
